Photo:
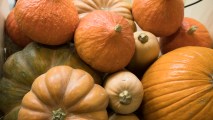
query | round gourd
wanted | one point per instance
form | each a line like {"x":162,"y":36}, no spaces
{"x":105,"y":41}
{"x":160,"y":17}
{"x":147,"y":50}
{"x":178,"y":86}
{"x":123,"y":117}
{"x":125,"y":92}
{"x":50,"y":22}
{"x":64,"y":93}
{"x":121,"y":7}
{"x":14,"y":32}
{"x":191,"y":33}
{"x":21,"y":69}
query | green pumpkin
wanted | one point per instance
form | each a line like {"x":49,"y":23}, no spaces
{"x":22,"y":67}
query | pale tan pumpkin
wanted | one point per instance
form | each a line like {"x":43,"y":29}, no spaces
{"x":121,"y":7}
{"x":123,"y":117}
{"x":64,"y":93}
{"x":125,"y":92}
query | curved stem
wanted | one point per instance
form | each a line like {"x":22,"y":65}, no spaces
{"x":192,"y":3}
{"x":125,"y":97}
{"x":192,"y":29}
{"x":143,"y":38}
{"x":118,"y":28}
{"x":58,"y":114}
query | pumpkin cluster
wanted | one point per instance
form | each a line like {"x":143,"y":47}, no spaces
{"x":106,"y":60}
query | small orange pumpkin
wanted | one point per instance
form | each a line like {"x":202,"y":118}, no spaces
{"x":191,"y":33}
{"x":105,"y":41}
{"x":50,"y":22}
{"x":160,"y":17}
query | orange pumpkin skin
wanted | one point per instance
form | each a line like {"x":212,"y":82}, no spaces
{"x":105,"y":41}
{"x":13,"y":31}
{"x":160,"y":17}
{"x":184,"y":37}
{"x":71,"y":93}
{"x":179,"y":86}
{"x":50,"y":22}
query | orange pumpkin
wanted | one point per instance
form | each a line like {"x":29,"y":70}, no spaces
{"x":50,"y":22}
{"x":64,"y":93}
{"x":160,"y":17}
{"x":179,"y":86}
{"x":191,"y":33}
{"x":13,"y":31}
{"x":105,"y":41}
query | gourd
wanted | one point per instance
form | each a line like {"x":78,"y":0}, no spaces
{"x":105,"y":41}
{"x":64,"y":93}
{"x":125,"y":92}
{"x":120,"y":7}
{"x":50,"y":22}
{"x":123,"y":117}
{"x":178,"y":86}
{"x":191,"y":33}
{"x":21,"y":69}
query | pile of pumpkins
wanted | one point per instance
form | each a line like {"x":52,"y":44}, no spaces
{"x":86,"y":60}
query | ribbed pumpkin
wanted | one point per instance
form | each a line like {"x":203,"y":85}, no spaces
{"x":179,"y":86}
{"x":50,"y":22}
{"x":64,"y":93}
{"x":105,"y":41}
{"x":21,"y":69}
{"x":191,"y":33}
{"x":14,"y":32}
{"x":121,"y":7}
{"x":123,"y":117}
{"x":160,"y":17}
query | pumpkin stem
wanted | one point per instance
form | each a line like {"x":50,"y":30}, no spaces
{"x":58,"y":114}
{"x":143,"y":38}
{"x":192,"y":29}
{"x":125,"y":97}
{"x":118,"y":28}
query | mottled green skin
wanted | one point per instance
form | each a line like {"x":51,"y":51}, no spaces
{"x":22,"y":67}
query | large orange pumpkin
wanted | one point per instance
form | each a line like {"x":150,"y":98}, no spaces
{"x":105,"y":41}
{"x":160,"y":17}
{"x":50,"y":22}
{"x":191,"y":33}
{"x":179,"y":86}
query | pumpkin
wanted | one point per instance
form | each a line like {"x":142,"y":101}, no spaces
{"x":160,"y":17}
{"x":50,"y":22}
{"x":23,"y":67}
{"x":191,"y":33}
{"x":123,"y":117}
{"x":120,"y":7}
{"x":125,"y":92}
{"x":146,"y":51}
{"x":13,"y":31}
{"x":178,"y":86}
{"x":105,"y":41}
{"x":64,"y":93}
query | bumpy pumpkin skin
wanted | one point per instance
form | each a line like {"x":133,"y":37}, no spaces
{"x":21,"y":69}
{"x":179,"y":86}
{"x":71,"y":90}
{"x":184,"y":37}
{"x":105,"y":41}
{"x":120,"y":7}
{"x":160,"y":17}
{"x":14,"y":32}
{"x":50,"y":22}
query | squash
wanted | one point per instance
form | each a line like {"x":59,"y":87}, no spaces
{"x":64,"y":93}
{"x":147,"y":51}
{"x":105,"y":41}
{"x":125,"y":92}
{"x":21,"y":69}
{"x":13,"y":31}
{"x":160,"y":17}
{"x":191,"y":33}
{"x":50,"y":22}
{"x":178,"y":86}
{"x":123,"y":117}
{"x":120,"y":7}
